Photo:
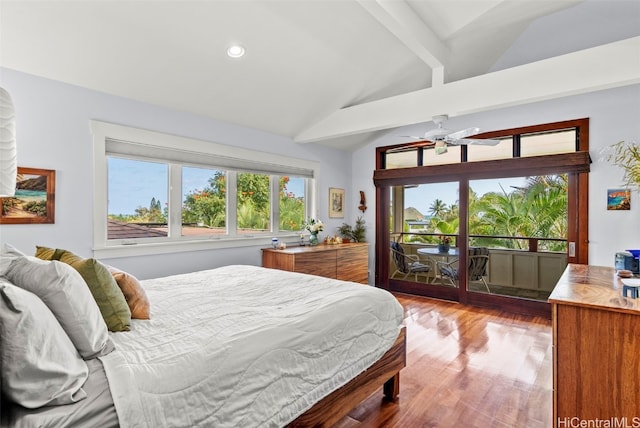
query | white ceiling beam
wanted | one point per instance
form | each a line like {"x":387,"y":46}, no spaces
{"x":401,"y":21}
{"x":602,"y":67}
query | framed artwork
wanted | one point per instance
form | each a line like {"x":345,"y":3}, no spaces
{"x":336,"y":203}
{"x":618,"y":199}
{"x":34,"y":200}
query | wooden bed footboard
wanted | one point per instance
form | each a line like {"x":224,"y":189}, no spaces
{"x":383,"y":373}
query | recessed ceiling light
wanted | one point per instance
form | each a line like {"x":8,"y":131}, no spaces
{"x":235,"y":51}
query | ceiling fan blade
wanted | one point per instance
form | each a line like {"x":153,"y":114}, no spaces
{"x":464,"y":133}
{"x":474,"y":141}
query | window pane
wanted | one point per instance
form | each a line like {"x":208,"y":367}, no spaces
{"x":292,"y":203}
{"x":548,"y":144}
{"x":401,"y":159}
{"x":431,"y":209}
{"x":430,"y":157}
{"x":429,"y":215}
{"x":478,"y":152}
{"x":138,"y":194}
{"x":204,"y":202}
{"x":254,"y":198}
{"x":522,"y":223}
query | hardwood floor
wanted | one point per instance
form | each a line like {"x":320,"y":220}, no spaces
{"x":467,"y":367}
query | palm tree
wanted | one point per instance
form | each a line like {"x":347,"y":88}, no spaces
{"x":538,"y":209}
{"x":507,"y":214}
{"x":438,"y":208}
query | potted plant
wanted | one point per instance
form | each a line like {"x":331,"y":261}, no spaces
{"x":444,"y":244}
{"x":355,"y":233}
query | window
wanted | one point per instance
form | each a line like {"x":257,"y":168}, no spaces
{"x":254,"y":203}
{"x":548,"y":143}
{"x":204,"y":204}
{"x":137,"y":192}
{"x":431,"y":157}
{"x":172,"y":193}
{"x":292,"y":203}
{"x":503,"y":150}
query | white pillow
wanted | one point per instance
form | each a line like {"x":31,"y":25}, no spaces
{"x":40,"y":365}
{"x":66,"y":294}
{"x":8,"y":254}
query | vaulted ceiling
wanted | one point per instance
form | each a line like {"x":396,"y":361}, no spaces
{"x":331,"y":72}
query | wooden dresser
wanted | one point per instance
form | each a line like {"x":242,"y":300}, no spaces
{"x":596,"y":355}
{"x":348,"y":262}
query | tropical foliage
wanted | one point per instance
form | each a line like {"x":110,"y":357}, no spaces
{"x":536,"y":210}
{"x":207,"y":207}
{"x":626,"y":155}
{"x":152,"y":214}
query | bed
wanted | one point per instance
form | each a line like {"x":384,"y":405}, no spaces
{"x":239,"y":346}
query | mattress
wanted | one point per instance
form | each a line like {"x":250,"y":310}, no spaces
{"x":245,"y":346}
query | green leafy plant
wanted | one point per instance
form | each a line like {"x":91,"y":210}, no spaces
{"x":356,"y":233}
{"x":626,"y":155}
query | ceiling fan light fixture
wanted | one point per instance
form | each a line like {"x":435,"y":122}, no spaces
{"x":440,"y":147}
{"x":235,"y":51}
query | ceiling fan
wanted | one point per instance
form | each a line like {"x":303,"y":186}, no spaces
{"x":443,"y":137}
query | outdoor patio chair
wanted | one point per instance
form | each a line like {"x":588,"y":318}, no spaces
{"x":478,"y":260}
{"x":407,"y":264}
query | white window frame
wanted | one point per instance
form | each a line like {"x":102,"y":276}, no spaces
{"x":148,"y":144}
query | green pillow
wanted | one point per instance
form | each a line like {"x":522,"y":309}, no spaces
{"x":113,"y":306}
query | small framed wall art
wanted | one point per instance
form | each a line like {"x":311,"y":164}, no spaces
{"x":619,"y":199}
{"x":34,"y":200}
{"x":336,"y":203}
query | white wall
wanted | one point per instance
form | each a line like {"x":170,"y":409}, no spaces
{"x":53,"y":133}
{"x":614,"y":116}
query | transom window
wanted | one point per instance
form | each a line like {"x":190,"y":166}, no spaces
{"x":423,"y":153}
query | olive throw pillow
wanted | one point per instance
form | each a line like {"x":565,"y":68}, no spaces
{"x":112,"y":303}
{"x":45,"y":253}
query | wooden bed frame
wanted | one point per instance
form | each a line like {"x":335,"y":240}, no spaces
{"x":385,"y":372}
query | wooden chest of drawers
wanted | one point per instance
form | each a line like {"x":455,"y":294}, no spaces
{"x":596,"y":356}
{"x":348,"y":262}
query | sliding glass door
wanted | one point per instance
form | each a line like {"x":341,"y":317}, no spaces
{"x":425,"y":234}
{"x":482,"y":231}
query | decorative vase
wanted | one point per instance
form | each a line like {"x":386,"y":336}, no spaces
{"x":313,"y":238}
{"x":443,"y":248}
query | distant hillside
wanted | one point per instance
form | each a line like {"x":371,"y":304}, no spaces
{"x":38,"y":184}
{"x":412,"y":213}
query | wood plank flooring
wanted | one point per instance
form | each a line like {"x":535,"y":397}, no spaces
{"x":467,"y":367}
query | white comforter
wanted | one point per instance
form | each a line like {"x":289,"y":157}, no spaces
{"x":244,"y":346}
